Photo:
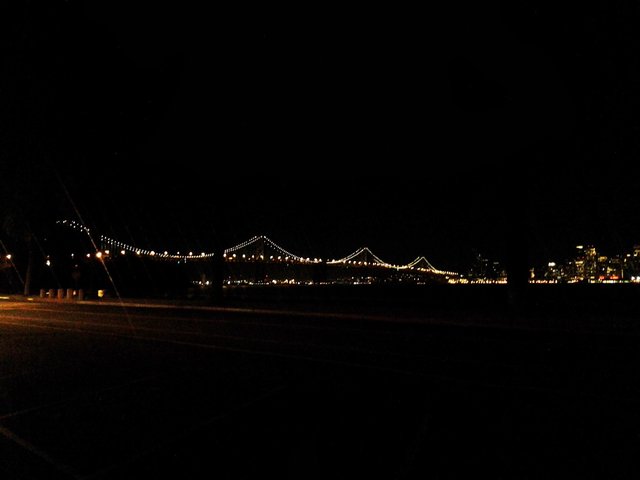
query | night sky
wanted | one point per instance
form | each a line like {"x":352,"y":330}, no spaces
{"x":438,"y":132}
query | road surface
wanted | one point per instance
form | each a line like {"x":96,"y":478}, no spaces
{"x":112,"y":391}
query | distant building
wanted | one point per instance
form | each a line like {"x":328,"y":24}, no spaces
{"x":484,"y":270}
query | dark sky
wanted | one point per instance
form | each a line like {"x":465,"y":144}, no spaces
{"x":416,"y":132}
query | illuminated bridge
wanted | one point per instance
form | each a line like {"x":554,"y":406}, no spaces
{"x":258,"y":260}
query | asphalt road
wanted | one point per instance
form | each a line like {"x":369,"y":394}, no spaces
{"x":97,"y":391}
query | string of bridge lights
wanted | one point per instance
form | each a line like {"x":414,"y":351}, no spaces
{"x":233,"y":252}
{"x":283,"y":253}
{"x":377,"y":261}
{"x":428,"y":268}
{"x":421,"y":260}
{"x":124,"y":247}
{"x":363,"y":251}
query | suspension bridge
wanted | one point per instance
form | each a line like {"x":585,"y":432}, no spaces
{"x":259,"y":248}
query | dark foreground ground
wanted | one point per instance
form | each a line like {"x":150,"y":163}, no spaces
{"x":322,"y":389}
